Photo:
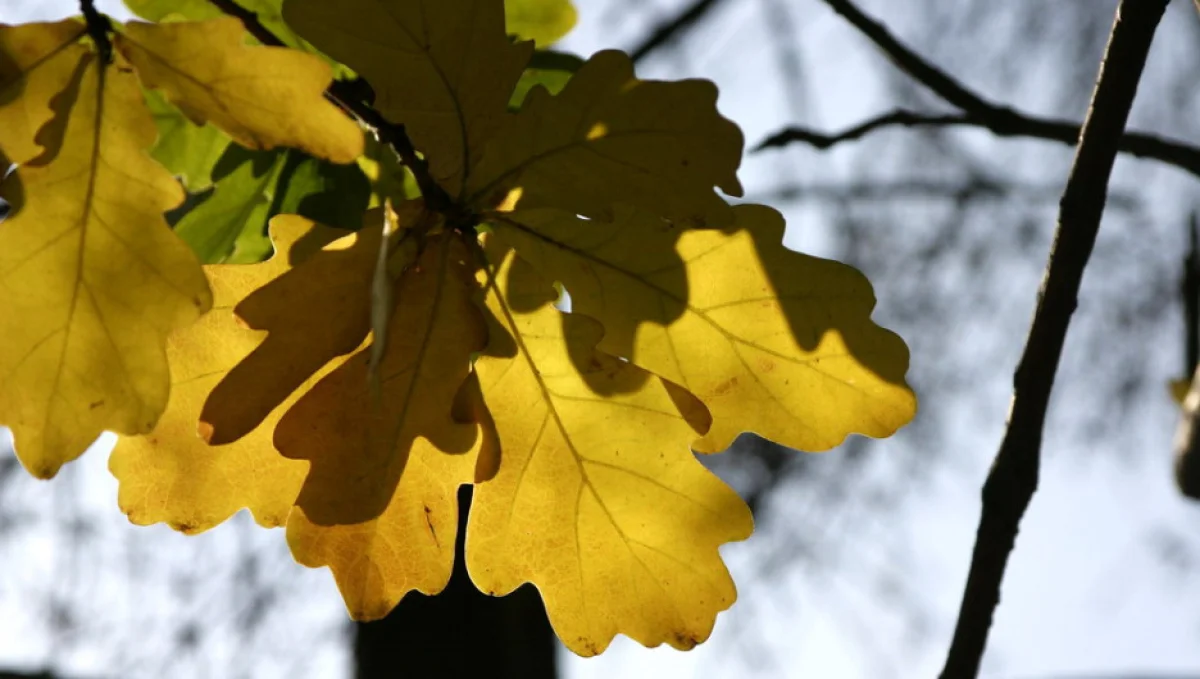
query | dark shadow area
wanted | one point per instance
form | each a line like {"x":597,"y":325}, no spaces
{"x":358,"y":440}
{"x":313,"y":313}
{"x":461,"y":632}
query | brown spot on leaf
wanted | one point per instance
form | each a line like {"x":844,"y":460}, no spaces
{"x":725,"y":386}
{"x":95,"y":404}
{"x":185,"y":527}
{"x":685,"y":641}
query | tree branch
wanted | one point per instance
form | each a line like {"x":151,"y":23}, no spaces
{"x":1002,"y":123}
{"x":669,"y":30}
{"x":1013,"y":478}
{"x":975,"y":110}
{"x":937,"y":80}
{"x":98,"y":28}
{"x":970,"y":189}
{"x":348,"y":97}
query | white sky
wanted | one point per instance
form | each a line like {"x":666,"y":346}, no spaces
{"x":1086,"y":592}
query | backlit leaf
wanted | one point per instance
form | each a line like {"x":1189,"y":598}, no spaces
{"x":269,"y":13}
{"x":442,"y":68}
{"x":312,"y":314}
{"x":236,"y":212}
{"x":598,"y":500}
{"x":171,"y":475}
{"x":230,"y":224}
{"x":91,"y":280}
{"x":543,"y":21}
{"x":36,"y":64}
{"x":333,"y":195}
{"x":387,"y":176}
{"x":188,"y":150}
{"x":772,"y":341}
{"x":358,"y":447}
{"x":378,"y":505}
{"x":551,"y":70}
{"x":611,"y":138}
{"x":261,"y":96}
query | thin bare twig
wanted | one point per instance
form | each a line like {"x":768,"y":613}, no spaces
{"x":1002,"y":123}
{"x":975,"y":110}
{"x":1013,"y":478}
{"x":670,"y":30}
{"x":937,"y":80}
{"x":972,"y":189}
{"x":348,"y":98}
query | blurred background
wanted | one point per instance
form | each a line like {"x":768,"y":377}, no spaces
{"x":858,"y":561}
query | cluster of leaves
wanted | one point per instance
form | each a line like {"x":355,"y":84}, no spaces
{"x":349,"y":384}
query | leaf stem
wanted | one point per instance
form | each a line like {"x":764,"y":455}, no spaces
{"x":98,"y":27}
{"x":1013,"y":478}
{"x":349,"y":97}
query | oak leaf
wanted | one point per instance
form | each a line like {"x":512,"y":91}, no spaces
{"x":263,"y":97}
{"x":379,"y":504}
{"x":37,"y":62}
{"x":229,"y":224}
{"x":609,"y":137}
{"x":542,"y":21}
{"x":268,"y":13}
{"x":358,"y":442}
{"x":442,"y":68}
{"x":598,"y":500}
{"x":313,"y":314}
{"x":188,"y":150}
{"x":92,"y":280}
{"x":171,"y":475}
{"x":772,"y":341}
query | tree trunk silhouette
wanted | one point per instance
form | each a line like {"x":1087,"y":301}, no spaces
{"x":460,"y":632}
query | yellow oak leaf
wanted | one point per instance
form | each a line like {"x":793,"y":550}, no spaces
{"x":409,"y":547}
{"x":36,"y":64}
{"x":598,"y":500}
{"x":263,"y":97}
{"x":442,"y":68}
{"x":92,"y":281}
{"x":358,"y":443}
{"x":772,"y":341}
{"x":171,"y":475}
{"x":312,"y":313}
{"x":542,"y":21}
{"x":379,"y":503}
{"x":609,"y":137}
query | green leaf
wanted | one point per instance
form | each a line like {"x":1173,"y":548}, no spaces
{"x":188,"y":150}
{"x":547,"y":68}
{"x":543,"y":21}
{"x":333,"y":195}
{"x":232,"y":220}
{"x":230,"y":224}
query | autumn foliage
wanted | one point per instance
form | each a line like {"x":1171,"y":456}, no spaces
{"x":407,"y":333}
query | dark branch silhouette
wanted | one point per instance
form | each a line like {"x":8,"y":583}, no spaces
{"x":1013,"y":478}
{"x":975,"y":111}
{"x":668,"y":31}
